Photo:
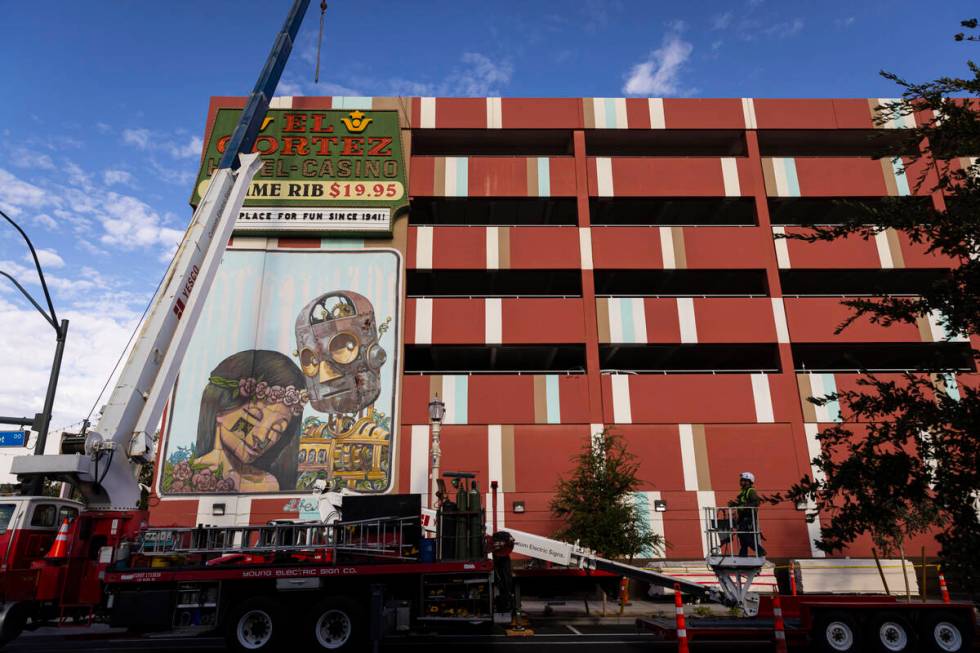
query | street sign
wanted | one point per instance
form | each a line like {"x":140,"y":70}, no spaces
{"x":13,"y":438}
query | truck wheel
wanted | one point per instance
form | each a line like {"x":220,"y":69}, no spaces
{"x":891,"y":634}
{"x":835,"y":632}
{"x":335,"y":625}
{"x":944,"y":633}
{"x":254,"y":625}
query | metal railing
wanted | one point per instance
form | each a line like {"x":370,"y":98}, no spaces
{"x":732,"y":532}
{"x":385,"y":537}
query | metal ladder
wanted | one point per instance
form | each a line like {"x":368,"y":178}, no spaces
{"x":383,"y":537}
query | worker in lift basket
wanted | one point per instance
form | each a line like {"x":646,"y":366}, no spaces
{"x":747,"y":498}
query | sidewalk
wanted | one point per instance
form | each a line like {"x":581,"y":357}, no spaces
{"x":573,"y":611}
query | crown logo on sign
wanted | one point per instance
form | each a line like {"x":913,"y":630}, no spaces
{"x":357,"y":122}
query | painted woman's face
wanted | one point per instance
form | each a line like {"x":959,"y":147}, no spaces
{"x":248,"y":431}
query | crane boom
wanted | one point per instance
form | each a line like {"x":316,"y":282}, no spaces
{"x":123,"y":439}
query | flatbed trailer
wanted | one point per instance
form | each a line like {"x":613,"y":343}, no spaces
{"x":839,"y":623}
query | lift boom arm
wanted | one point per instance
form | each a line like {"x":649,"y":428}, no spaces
{"x":124,"y":437}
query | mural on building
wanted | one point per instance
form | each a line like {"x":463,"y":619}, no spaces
{"x":309,"y":402}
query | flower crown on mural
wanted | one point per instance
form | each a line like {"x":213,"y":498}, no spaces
{"x":292,"y":397}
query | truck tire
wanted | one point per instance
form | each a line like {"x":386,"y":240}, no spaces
{"x":836,"y":632}
{"x":945,"y":633}
{"x":253,"y":625}
{"x":335,"y":624}
{"x":890,"y":633}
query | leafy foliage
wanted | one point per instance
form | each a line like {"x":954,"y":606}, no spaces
{"x":597,"y":504}
{"x":915,"y":466}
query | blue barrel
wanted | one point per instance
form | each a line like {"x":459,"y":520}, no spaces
{"x":427,"y":552}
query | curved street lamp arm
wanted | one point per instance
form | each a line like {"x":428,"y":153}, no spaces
{"x":53,"y":317}
{"x":31,"y":299}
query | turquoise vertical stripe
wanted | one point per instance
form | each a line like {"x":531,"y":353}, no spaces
{"x":352,"y":102}
{"x":952,"y":390}
{"x":626,"y":317}
{"x":610,"y":112}
{"x":462,"y":176}
{"x":461,"y":382}
{"x":901,"y":180}
{"x":792,"y":181}
{"x":544,"y":176}
{"x":552,"y":398}
{"x":830,"y":387}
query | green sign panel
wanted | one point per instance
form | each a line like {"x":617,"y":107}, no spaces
{"x":321,"y":170}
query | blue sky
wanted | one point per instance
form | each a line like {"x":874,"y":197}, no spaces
{"x":105,"y":105}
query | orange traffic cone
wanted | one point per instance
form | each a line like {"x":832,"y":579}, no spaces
{"x":59,"y":549}
{"x":778,"y":625}
{"x":681,"y":621}
{"x":943,"y":588}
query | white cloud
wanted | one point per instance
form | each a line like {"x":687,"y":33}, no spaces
{"x":16,"y":194}
{"x":47,"y":257}
{"x":844,"y":23}
{"x":189,"y":150}
{"x":479,"y":76}
{"x":721,"y":21}
{"x":45,"y":220}
{"x":659,"y":74}
{"x":138,"y":137}
{"x":95,"y":340}
{"x":130,"y":223}
{"x":113,"y":176}
{"x":785,"y":28}
{"x":25,"y":158}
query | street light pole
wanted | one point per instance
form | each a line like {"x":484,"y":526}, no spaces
{"x":437,"y":410}
{"x":42,"y":421}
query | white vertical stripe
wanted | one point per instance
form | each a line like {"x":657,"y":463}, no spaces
{"x":493,"y":248}
{"x":779,"y":174}
{"x":779,"y":317}
{"x":689,"y":465}
{"x":493,"y":113}
{"x":495,"y":462}
{"x":656,"y":518}
{"x":706,"y":499}
{"x":615,"y":319}
{"x":237,"y":511}
{"x":817,"y":388}
{"x":493,"y":316}
{"x":604,"y":178}
{"x":656,"y":106}
{"x":748,"y":112}
{"x":449,"y":397}
{"x":620,"y":108}
{"x":450,"y":176}
{"x":729,"y":174}
{"x":813,"y":450}
{"x":428,"y":112}
{"x":423,"y":248}
{"x":622,"y":413}
{"x":423,"y":321}
{"x":884,"y":251}
{"x":762,"y":397}
{"x":419,"y":461}
{"x":782,"y":248}
{"x":686,"y":320}
{"x":667,"y":248}
{"x":599,"y":112}
{"x":585,"y":247}
{"x":281,"y":102}
{"x":639,"y":320}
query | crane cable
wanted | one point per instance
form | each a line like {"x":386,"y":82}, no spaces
{"x":319,"y":41}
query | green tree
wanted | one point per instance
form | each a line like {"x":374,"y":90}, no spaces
{"x":915,"y":467}
{"x":597,"y":506}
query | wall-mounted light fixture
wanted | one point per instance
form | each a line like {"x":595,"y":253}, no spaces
{"x":518,"y":507}
{"x":218,"y":509}
{"x":659,"y":505}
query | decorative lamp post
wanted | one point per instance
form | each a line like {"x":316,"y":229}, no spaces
{"x":437,"y":410}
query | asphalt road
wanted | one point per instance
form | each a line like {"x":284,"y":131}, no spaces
{"x":548,"y":639}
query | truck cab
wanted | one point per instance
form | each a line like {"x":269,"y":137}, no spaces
{"x":28,"y":526}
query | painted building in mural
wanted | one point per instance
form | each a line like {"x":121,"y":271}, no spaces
{"x":549,"y":268}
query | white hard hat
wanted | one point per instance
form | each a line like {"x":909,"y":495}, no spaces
{"x":748,"y":476}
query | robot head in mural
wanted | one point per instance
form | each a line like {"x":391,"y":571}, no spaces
{"x":339,"y":353}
